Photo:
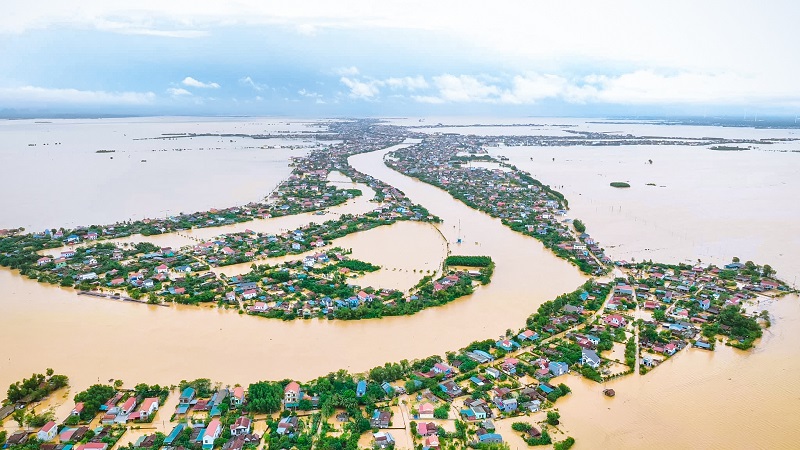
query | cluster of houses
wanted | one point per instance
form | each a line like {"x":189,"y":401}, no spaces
{"x":118,"y":411}
{"x":521,"y":202}
{"x":307,"y":189}
{"x":686,"y":301}
{"x":247,"y":246}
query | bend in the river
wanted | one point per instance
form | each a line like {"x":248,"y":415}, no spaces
{"x":150,"y":344}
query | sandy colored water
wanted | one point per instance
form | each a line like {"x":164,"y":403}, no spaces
{"x":356,"y":205}
{"x":715,"y":205}
{"x":387,"y":246}
{"x":179,"y":175}
{"x":707,"y":205}
{"x":93,"y":339}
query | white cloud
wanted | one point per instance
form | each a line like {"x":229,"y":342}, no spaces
{"x":310,"y":94}
{"x":367,"y":88}
{"x":530,"y":88}
{"x":410,"y":83}
{"x":744,"y":53}
{"x":643,"y":87}
{"x":191,"y":82}
{"x":247,"y":81}
{"x":464,"y":88}
{"x":649,"y":87}
{"x":177,"y":92}
{"x":364,"y":90}
{"x":40,"y":95}
{"x":561,"y":32}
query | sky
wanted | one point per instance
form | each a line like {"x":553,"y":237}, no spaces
{"x":382,"y":58}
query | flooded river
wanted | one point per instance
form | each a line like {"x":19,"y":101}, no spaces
{"x":714,"y":205}
{"x":706,"y":205}
{"x":94,"y":339}
{"x":141,"y":176}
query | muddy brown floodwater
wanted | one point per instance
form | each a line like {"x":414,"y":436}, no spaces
{"x":95,"y":340}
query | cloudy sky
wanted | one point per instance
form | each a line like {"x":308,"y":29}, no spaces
{"x":320,"y":58}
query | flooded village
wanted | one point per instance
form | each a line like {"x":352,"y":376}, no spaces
{"x":628,"y":319}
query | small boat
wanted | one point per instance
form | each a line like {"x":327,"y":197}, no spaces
{"x":609,"y":392}
{"x":144,"y":160}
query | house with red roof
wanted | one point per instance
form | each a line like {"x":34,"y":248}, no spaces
{"x":615,"y":320}
{"x":213,"y":431}
{"x":770,"y":284}
{"x":432,"y":441}
{"x":291,"y":394}
{"x":128,"y":406}
{"x":241,"y":426}
{"x":426,"y":429}
{"x":48,"y":432}
{"x":92,"y":446}
{"x":43,"y":260}
{"x":77,"y":410}
{"x":237,"y":396}
{"x":443,"y":369}
{"x":148,"y":407}
{"x":259,"y":307}
{"x":426,"y":411}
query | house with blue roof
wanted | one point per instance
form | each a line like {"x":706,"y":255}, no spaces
{"x":187,"y":396}
{"x":361,"y":388}
{"x":506,"y":345}
{"x":174,"y":433}
{"x":490,"y":438}
{"x":484,"y":354}
{"x":558,"y":368}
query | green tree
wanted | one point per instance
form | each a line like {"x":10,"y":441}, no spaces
{"x":19,"y":417}
{"x":566,"y":444}
{"x":264,"y":397}
{"x":92,"y":398}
